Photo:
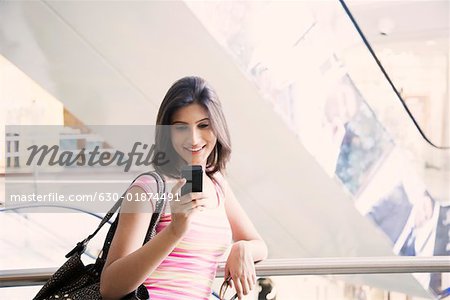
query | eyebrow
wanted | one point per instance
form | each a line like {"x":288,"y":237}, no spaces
{"x":181,"y":122}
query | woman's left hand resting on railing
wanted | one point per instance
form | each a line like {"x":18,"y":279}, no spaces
{"x":240,"y":267}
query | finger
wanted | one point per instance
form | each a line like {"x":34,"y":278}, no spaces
{"x":226,"y":273}
{"x":245,"y":287}
{"x":252,"y":276}
{"x":178,"y":185}
{"x":250,"y":283}
{"x":187,"y":207}
{"x":200,"y":202}
{"x":192,"y":205}
{"x":192,"y":196}
{"x":195,"y":209}
{"x":238,"y":287}
{"x":196,"y":195}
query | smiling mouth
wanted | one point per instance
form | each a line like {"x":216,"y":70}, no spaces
{"x":195,"y":150}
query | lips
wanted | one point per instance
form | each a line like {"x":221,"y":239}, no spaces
{"x":195,"y":150}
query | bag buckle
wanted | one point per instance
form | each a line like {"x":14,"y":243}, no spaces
{"x":80,"y":248}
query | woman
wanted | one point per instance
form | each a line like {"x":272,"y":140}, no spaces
{"x":180,"y":261}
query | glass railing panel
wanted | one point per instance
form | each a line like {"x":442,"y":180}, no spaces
{"x":333,"y":287}
{"x":22,"y":292}
{"x":41,"y":240}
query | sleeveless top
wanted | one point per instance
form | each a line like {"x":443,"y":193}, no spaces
{"x":187,"y":273}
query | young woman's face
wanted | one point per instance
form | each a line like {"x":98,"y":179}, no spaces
{"x":192,"y":135}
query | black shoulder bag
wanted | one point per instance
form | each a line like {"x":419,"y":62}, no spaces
{"x":75,"y":281}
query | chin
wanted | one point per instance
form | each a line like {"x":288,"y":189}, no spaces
{"x":197,"y":162}
{"x":191,"y":160}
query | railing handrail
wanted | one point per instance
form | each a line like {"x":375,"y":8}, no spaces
{"x":283,"y":267}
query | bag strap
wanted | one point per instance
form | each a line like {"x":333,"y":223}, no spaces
{"x":81,"y":246}
{"x":151,"y":231}
{"x":159,"y":207}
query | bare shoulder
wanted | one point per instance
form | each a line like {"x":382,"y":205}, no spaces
{"x":146,"y":182}
{"x":137,"y":198}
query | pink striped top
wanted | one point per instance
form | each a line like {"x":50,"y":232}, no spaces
{"x":189,"y":270}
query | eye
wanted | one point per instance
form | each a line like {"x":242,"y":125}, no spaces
{"x":204,"y":125}
{"x":181,"y":127}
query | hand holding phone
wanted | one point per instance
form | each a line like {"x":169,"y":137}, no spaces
{"x":194,"y":179}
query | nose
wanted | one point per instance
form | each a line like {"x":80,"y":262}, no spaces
{"x":195,"y":136}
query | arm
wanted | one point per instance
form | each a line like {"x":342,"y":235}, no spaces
{"x":248,"y":245}
{"x":127,"y":256}
{"x":244,"y":232}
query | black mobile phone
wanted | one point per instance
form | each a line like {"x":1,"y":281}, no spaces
{"x":194,"y":179}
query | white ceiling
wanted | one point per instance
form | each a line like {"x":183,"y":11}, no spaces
{"x":414,"y":25}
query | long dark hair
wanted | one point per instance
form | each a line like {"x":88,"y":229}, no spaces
{"x":186,"y":91}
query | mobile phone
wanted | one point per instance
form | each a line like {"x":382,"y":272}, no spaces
{"x":194,"y":179}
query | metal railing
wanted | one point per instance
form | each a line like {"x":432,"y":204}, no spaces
{"x":283,"y":267}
